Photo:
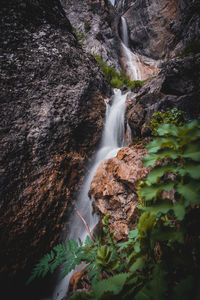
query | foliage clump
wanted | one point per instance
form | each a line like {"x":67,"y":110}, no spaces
{"x":161,"y":257}
{"x":117,"y":79}
{"x":172,"y":116}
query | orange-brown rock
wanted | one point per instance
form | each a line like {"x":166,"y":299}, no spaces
{"x":114,"y":188}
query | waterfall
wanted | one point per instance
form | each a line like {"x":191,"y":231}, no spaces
{"x":125,"y":38}
{"x":132,"y":60}
{"x":113,"y":138}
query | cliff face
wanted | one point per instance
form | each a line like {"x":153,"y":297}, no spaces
{"x":97,"y":22}
{"x":156,"y":28}
{"x":160,"y":28}
{"x":51,"y":118}
{"x":177,"y":85}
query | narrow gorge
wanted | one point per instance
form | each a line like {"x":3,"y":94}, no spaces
{"x":80,"y":83}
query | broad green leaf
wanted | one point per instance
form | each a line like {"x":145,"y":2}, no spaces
{"x":162,"y":208}
{"x":158,"y":143}
{"x":149,"y":193}
{"x":158,"y":171}
{"x":138,"y":264}
{"x":164,"y":153}
{"x":188,"y":127}
{"x":190,"y":192}
{"x":190,"y":137}
{"x":192,"y":151}
{"x":167,"y":129}
{"x":179,"y":211}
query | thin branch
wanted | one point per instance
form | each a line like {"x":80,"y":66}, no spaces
{"x":85,"y":223}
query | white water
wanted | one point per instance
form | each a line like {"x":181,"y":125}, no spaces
{"x":113,"y":139}
{"x":131,"y":59}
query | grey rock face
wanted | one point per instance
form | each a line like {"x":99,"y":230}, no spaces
{"x":97,"y":20}
{"x":177,"y":85}
{"x":160,"y":28}
{"x":52,"y":113}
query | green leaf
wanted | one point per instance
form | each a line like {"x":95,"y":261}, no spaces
{"x":133,"y":234}
{"x":192,"y":151}
{"x":190,"y":191}
{"x":113,"y":284}
{"x":158,"y":143}
{"x":192,"y":169}
{"x":148,"y":193}
{"x":154,"y":157}
{"x":179,"y":211}
{"x":167,"y":129}
{"x":165,"y":207}
{"x":138,"y":264}
{"x":158,"y":171}
{"x":188,"y":127}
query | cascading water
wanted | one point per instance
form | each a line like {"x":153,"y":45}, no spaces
{"x":132,"y":59}
{"x":113,"y":139}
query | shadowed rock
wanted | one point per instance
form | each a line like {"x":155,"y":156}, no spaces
{"x":52,"y":113}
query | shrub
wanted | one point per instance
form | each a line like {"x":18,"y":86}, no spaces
{"x":80,"y":35}
{"x":172,"y":116}
{"x":117,"y":79}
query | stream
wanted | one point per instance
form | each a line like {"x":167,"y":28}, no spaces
{"x":113,"y":138}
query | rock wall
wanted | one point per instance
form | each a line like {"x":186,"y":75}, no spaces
{"x":177,"y":85}
{"x":97,"y":20}
{"x":160,"y":28}
{"x":52,"y":112}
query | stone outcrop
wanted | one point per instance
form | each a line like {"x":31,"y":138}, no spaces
{"x":177,"y":85}
{"x":52,"y":113}
{"x":114,"y":188}
{"x":97,"y":22}
{"x":160,"y":28}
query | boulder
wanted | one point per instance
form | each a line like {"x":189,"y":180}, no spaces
{"x":114,"y":188}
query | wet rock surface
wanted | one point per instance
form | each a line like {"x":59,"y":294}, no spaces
{"x":160,"y":28}
{"x":177,"y":85}
{"x":52,"y":113}
{"x":114,"y":188}
{"x":97,"y":21}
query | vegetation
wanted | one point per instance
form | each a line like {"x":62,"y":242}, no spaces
{"x":80,"y":35}
{"x":192,"y":48}
{"x":161,"y":257}
{"x":115,"y":78}
{"x":172,"y":116}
